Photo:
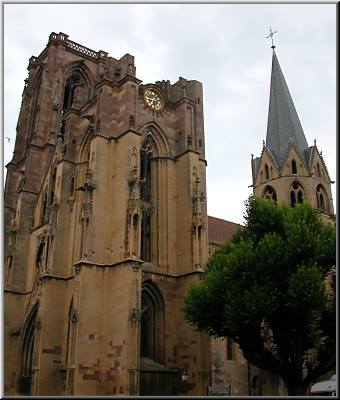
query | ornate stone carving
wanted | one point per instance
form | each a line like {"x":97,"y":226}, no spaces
{"x":146,"y":203}
{"x":198,"y":222}
{"x":52,"y":217}
{"x":134,"y":206}
{"x":87,"y":189}
{"x":59,"y":149}
{"x":198,"y":198}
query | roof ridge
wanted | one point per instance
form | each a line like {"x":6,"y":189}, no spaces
{"x":225,"y":220}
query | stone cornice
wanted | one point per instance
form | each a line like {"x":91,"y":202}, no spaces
{"x":138,"y":264}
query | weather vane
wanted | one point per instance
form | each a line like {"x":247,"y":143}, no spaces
{"x":271,"y":34}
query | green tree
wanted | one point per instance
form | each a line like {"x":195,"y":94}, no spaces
{"x":270,"y":291}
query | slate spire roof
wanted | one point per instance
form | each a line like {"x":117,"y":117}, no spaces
{"x":283,"y":122}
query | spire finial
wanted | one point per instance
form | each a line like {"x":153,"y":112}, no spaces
{"x":271,"y":34}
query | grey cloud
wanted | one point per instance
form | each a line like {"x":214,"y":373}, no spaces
{"x":222,"y":45}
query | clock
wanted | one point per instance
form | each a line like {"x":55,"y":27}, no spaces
{"x":153,"y":99}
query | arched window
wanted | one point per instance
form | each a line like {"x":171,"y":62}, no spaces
{"x":146,"y":197}
{"x":72,"y":83}
{"x":75,"y":95}
{"x":296,"y":194}
{"x":318,"y":169}
{"x":39,"y":258}
{"x":294,"y":167}
{"x":270,"y":193}
{"x":322,"y":198}
{"x":266,"y":171}
{"x":26,"y":353}
{"x":152,"y":323}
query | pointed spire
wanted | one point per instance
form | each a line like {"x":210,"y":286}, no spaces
{"x":284,"y":125}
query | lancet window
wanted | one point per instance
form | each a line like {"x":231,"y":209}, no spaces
{"x":266,"y":171}
{"x":146,"y":196}
{"x":152,"y":323}
{"x":322,"y":198}
{"x":72,"y":83}
{"x":296,"y":194}
{"x":26,"y":356}
{"x":294,"y":167}
{"x":73,"y":97}
{"x":318,"y":169}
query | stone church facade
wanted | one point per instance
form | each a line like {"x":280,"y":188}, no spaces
{"x":106,"y":227}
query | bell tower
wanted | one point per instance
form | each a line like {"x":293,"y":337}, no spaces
{"x":105,"y":229}
{"x":288,"y":169}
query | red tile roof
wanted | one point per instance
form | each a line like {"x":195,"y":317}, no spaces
{"x":220,"y":230}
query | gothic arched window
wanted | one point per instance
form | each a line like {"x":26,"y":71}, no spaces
{"x":296,"y":194}
{"x":322,"y":198}
{"x":72,"y":83}
{"x":152,"y":323}
{"x":74,"y":96}
{"x":40,"y":253}
{"x":26,"y":356}
{"x":270,"y":194}
{"x":146,"y":197}
{"x":266,"y":170}
{"x":294,"y":167}
{"x":318,"y":169}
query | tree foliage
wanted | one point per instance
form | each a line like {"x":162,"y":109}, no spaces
{"x":269,"y":290}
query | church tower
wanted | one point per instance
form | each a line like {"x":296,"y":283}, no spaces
{"x":105,"y":229}
{"x":289,"y":170}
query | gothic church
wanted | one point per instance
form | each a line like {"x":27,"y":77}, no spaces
{"x":106,"y":226}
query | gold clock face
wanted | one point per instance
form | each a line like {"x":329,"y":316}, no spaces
{"x":153,"y":99}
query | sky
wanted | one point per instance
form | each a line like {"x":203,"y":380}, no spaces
{"x":224,"y":46}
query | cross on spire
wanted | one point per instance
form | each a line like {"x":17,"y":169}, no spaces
{"x":271,"y":34}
